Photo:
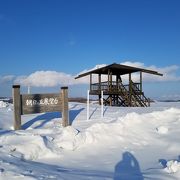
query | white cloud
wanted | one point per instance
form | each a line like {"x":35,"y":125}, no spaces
{"x":169,"y":72}
{"x":46,"y":79}
{"x":134,"y":64}
{"x":95,"y":67}
{"x":54,"y":78}
{"x":7,"y":78}
{"x":86,"y":79}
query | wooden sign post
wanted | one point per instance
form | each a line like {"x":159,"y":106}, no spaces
{"x":39,"y":103}
{"x":17,"y":107}
{"x":65,"y":112}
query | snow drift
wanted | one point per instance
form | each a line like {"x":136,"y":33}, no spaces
{"x":127,"y":143}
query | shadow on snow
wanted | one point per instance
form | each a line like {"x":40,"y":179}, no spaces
{"x":128,"y":168}
{"x":40,"y":170}
{"x":46,"y":117}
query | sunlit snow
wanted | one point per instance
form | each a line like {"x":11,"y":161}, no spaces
{"x":127,"y":143}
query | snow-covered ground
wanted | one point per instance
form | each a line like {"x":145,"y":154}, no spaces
{"x":127,"y":143}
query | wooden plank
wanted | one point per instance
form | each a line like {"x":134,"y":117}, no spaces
{"x":111,"y":81}
{"x":39,"y":103}
{"x":108,"y":79}
{"x":90,"y":82}
{"x":130,"y":90}
{"x":17,"y":107}
{"x":99,"y":79}
{"x":141,"y":81}
{"x":65,"y":112}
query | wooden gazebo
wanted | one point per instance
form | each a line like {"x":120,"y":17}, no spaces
{"x":116,"y":93}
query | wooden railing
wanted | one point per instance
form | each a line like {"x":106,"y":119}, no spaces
{"x":131,"y":95}
{"x":114,"y":86}
{"x":104,"y":86}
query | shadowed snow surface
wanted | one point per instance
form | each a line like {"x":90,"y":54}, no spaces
{"x":127,"y":143}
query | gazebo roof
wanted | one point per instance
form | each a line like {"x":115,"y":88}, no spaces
{"x":118,"y":69}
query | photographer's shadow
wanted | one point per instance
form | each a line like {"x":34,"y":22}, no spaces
{"x":128,"y":168}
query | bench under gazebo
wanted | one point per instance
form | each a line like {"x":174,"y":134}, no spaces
{"x":115,"y":92}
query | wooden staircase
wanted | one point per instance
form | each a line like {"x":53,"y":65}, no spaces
{"x":138,"y":97}
{"x":127,"y":97}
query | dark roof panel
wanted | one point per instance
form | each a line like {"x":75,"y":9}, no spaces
{"x":117,"y":69}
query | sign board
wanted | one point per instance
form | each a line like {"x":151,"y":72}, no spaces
{"x":39,"y":103}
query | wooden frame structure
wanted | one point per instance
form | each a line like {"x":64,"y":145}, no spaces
{"x":39,"y":103}
{"x":116,"y":93}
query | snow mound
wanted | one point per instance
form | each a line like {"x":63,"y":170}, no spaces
{"x":162,"y":130}
{"x":172,"y":166}
{"x":3,"y":104}
{"x":98,"y":133}
{"x":26,"y":146}
{"x":72,"y":139}
{"x":66,"y":140}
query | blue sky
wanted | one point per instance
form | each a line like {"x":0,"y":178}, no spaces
{"x":72,"y":35}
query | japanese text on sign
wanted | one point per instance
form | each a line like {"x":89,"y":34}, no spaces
{"x":44,"y":101}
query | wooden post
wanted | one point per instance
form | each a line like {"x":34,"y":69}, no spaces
{"x":130,"y":90}
{"x":108,"y":79}
{"x":102,"y":111}
{"x":65,"y":112}
{"x":87,"y":104}
{"x":149,"y":102}
{"x":99,"y":88}
{"x":141,"y":81}
{"x":99,"y":99}
{"x":116,"y":82}
{"x":90,"y":82}
{"x":111,"y":81}
{"x":110,"y":88}
{"x":99,"y":79}
{"x":17,"y":107}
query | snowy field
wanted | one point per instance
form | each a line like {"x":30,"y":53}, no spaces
{"x":126,"y":144}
